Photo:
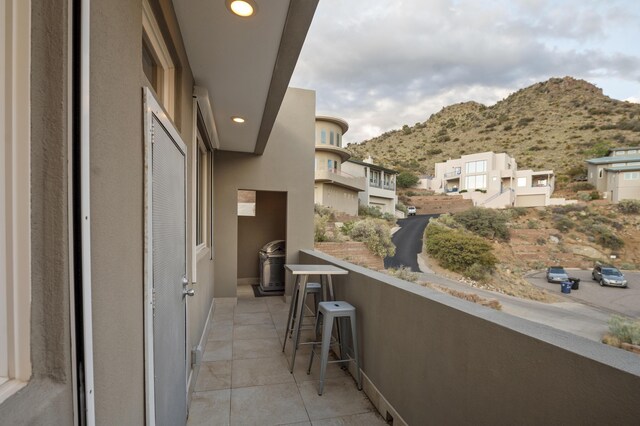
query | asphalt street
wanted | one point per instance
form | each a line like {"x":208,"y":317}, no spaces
{"x":408,"y":242}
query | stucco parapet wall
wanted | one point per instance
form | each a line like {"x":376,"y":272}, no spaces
{"x":344,"y":126}
{"x":441,"y":360}
{"x":349,"y":182}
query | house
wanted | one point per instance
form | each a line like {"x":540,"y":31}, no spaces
{"x":616,"y":175}
{"x":494,"y":181}
{"x":334,"y":187}
{"x":135,"y":132}
{"x":380,"y":184}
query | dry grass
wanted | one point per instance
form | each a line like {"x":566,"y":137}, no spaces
{"x":471,"y":297}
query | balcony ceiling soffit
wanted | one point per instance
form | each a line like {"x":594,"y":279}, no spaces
{"x":234,"y":59}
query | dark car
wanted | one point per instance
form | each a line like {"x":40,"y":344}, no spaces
{"x":556,"y":274}
{"x":608,"y":275}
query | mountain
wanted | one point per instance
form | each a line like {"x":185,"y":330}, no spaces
{"x":556,"y":125}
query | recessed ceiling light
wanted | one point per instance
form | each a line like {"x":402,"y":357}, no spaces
{"x":242,"y":8}
{"x":237,"y":119}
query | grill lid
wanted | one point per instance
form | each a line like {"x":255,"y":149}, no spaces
{"x":274,"y":247}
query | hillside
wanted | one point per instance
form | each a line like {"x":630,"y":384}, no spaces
{"x":554,"y":125}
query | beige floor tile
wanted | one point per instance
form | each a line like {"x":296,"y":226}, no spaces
{"x":256,"y":348}
{"x":367,"y":419}
{"x":260,"y":371}
{"x":267,"y":405}
{"x":298,"y":424}
{"x":226,"y":315}
{"x":339,"y":398}
{"x":334,"y":371}
{"x":253,"y":318}
{"x":245,"y":292}
{"x":254,"y":331}
{"x":210,"y":408}
{"x":221,"y":331}
{"x":214,"y":375}
{"x":246,"y":306}
{"x":217,"y":351}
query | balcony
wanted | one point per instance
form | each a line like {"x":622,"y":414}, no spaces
{"x":426,"y":357}
{"x":453,"y":174}
{"x":338,"y":177}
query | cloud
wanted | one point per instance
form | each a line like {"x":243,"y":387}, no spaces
{"x":381,"y":64}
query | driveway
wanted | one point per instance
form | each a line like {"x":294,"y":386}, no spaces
{"x":408,"y":242}
{"x":611,"y":300}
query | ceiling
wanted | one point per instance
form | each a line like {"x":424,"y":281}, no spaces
{"x":245,"y":64}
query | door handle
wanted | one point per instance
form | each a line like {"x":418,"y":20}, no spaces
{"x":188,"y":292}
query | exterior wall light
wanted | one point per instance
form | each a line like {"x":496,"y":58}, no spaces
{"x":242,"y":8}
{"x":238,"y":120}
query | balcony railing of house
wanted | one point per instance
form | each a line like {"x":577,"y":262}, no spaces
{"x":375,"y":183}
{"x":452,"y":174}
{"x":430,"y":358}
{"x":390,"y":186}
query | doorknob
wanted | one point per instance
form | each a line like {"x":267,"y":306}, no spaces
{"x":185,"y":281}
{"x":189,"y":292}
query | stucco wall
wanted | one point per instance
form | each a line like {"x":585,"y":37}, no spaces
{"x":286,"y":166}
{"x":339,"y":198}
{"x":441,"y":360}
{"x":47,"y":399}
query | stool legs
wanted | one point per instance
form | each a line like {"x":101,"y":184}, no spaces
{"x":290,"y":318}
{"x":356,"y":355}
{"x":324,"y":351}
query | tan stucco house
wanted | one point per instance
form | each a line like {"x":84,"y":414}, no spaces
{"x":380,"y":184}
{"x":334,"y":187}
{"x":129,"y":129}
{"x":493,"y":180}
{"x":616,"y":175}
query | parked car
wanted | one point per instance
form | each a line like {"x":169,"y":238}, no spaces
{"x":411,"y":211}
{"x":556,"y":274}
{"x":608,"y":275}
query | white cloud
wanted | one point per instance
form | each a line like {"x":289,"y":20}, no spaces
{"x":381,"y":64}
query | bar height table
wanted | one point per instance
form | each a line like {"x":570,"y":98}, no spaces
{"x":302,"y":272}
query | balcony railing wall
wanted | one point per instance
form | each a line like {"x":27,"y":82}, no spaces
{"x":437,"y":359}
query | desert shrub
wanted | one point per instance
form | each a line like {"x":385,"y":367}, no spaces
{"x":516,"y":212}
{"x":375,"y":234}
{"x":406,"y":180}
{"x":457,"y":250}
{"x":533,"y":224}
{"x":478,"y":272}
{"x":629,"y":206}
{"x":321,"y":210}
{"x":486,"y":223}
{"x":568,"y":208}
{"x":562,"y":223}
{"x":404,"y":273}
{"x":595,"y":195}
{"x":583,"y":196}
{"x":401,"y":207}
{"x":606,"y":238}
{"x":625,"y":329}
{"x":582,"y":186}
{"x":541,"y":241}
{"x":320,"y":228}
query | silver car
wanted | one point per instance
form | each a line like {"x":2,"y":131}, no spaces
{"x":556,"y":274}
{"x":608,"y":275}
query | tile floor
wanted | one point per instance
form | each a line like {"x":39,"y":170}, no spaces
{"x":244,"y":378}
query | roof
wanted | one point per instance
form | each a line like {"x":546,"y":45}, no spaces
{"x":335,"y":120}
{"x":373,"y":166}
{"x":623,"y":149}
{"x":623,"y":168}
{"x":618,"y":159}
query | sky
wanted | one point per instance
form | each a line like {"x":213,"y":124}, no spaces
{"x":380,"y":64}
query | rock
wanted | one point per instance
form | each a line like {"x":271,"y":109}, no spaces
{"x":554,"y":239}
{"x":588,"y":252}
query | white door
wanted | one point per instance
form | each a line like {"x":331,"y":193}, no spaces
{"x":166,"y":271}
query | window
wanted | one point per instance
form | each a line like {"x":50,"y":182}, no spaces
{"x":599,"y":173}
{"x":522,"y":182}
{"x":339,"y":139}
{"x":157,"y":63}
{"x":479,"y":166}
{"x":15,"y":225}
{"x":374,"y":179}
{"x":330,"y":165}
{"x":203,"y":189}
{"x":476,"y":182}
{"x":323,"y":136}
{"x":631,"y":175}
{"x":331,"y":138}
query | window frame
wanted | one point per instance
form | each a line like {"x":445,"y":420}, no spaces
{"x":15,"y":214}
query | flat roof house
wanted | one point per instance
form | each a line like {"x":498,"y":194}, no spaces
{"x":334,"y":187}
{"x":380,"y":189}
{"x":616,"y":175}
{"x":493,"y":180}
{"x":130,"y":127}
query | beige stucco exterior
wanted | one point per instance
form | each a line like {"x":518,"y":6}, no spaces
{"x":334,"y":186}
{"x":380,"y":189}
{"x":493,"y":180}
{"x":617,"y":175}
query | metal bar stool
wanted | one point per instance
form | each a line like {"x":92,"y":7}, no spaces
{"x":296,"y":312}
{"x":331,"y":311}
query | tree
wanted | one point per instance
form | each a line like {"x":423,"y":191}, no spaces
{"x":407,"y":180}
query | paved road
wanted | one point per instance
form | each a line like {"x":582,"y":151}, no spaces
{"x":611,"y":300}
{"x":408,"y":242}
